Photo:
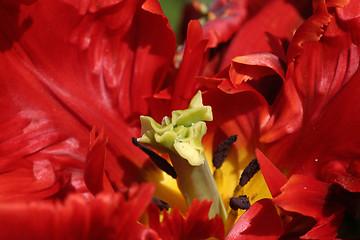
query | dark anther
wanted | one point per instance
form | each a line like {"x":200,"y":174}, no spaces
{"x":161,"y":204}
{"x":222,"y":151}
{"x":249,"y":172}
{"x":159,"y":161}
{"x":241,"y":202}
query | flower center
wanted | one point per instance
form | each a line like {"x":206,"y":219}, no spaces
{"x":181,"y":138}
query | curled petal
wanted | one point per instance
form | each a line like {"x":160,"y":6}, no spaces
{"x":311,"y":30}
{"x":261,"y":73}
{"x":222,"y":81}
{"x":258,"y":65}
{"x":264,"y":72}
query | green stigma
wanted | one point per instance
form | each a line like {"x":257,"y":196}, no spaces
{"x":180,"y":136}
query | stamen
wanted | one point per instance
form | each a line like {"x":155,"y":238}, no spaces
{"x":158,"y":160}
{"x":249,"y":172}
{"x":160,"y":204}
{"x":241,"y":202}
{"x":222,"y":151}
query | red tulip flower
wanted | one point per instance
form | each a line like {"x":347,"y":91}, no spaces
{"x":279,"y":78}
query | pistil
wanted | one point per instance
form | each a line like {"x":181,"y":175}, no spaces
{"x":180,"y":137}
{"x":197,"y":182}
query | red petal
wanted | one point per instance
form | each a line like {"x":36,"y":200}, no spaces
{"x":66,"y":67}
{"x":310,"y":31}
{"x":310,"y":197}
{"x":225,"y":18}
{"x":261,"y":221}
{"x":350,"y":18}
{"x":285,"y":17}
{"x":286,"y":115}
{"x":31,"y":180}
{"x":344,"y":173}
{"x":273,"y":177}
{"x":255,"y":72}
{"x":326,"y":228}
{"x":95,"y":158}
{"x":185,"y":87}
{"x":264,"y":72}
{"x":199,"y":226}
{"x":277,"y":47}
{"x":223,"y":82}
{"x":255,"y":66}
{"x":325,"y":77}
{"x":304,"y":195}
{"x":107,"y":216}
{"x":195,"y":225}
{"x":181,"y":87}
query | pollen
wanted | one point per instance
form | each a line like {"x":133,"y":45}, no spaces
{"x":249,"y":172}
{"x":241,"y":202}
{"x":221,"y":152}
